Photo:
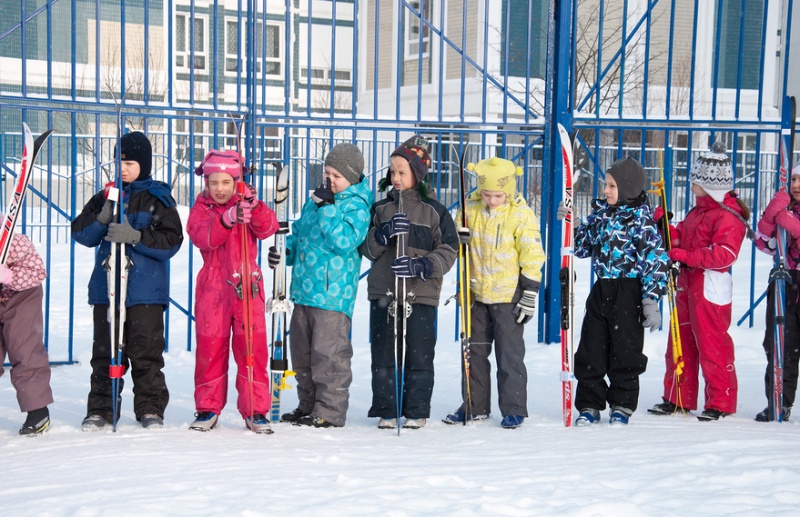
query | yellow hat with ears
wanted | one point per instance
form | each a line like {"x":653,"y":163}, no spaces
{"x":496,"y":174}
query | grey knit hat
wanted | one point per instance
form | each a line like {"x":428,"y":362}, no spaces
{"x":630,"y":178}
{"x":713,"y":172}
{"x":348,"y":160}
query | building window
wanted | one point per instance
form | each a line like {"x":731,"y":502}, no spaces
{"x":413,"y":26}
{"x":517,"y":44}
{"x":183,"y":43}
{"x":730,"y":27}
{"x":236,"y":48}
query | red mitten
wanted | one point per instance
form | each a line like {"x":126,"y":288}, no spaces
{"x":658,"y":213}
{"x":679,"y":255}
{"x":767,"y":227}
{"x":786,"y":220}
{"x":778,"y":203}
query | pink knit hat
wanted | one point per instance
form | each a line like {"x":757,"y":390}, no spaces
{"x":229,"y":162}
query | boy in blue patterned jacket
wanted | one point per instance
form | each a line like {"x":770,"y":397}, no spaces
{"x":323,"y":253}
{"x":629,"y":260}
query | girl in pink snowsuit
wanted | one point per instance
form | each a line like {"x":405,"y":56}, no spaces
{"x":215,"y":222}
{"x":706,"y":244}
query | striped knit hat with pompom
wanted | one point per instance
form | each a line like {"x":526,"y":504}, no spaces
{"x":713,"y":172}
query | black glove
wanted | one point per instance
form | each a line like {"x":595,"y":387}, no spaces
{"x":273,"y":257}
{"x":406,"y":267}
{"x":397,"y":225}
{"x":323,"y":195}
{"x":526,"y":307}
{"x":107,"y":213}
{"x":123,"y":233}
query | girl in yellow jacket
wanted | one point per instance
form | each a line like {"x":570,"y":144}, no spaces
{"x":506,"y":269}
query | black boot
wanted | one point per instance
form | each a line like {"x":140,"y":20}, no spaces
{"x":37,"y":422}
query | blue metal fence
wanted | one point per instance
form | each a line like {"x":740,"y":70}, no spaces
{"x":624,"y":77}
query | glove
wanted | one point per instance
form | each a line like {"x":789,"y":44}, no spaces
{"x":237,"y":214}
{"x":561,"y":213}
{"x":250,"y":193}
{"x":652,"y":316}
{"x":6,"y":275}
{"x":406,"y":267}
{"x":463,"y":235}
{"x":123,"y":233}
{"x":778,"y":203}
{"x":786,"y":220}
{"x":273,"y":257}
{"x":526,"y":307}
{"x":107,"y":213}
{"x":323,"y":195}
{"x":398,"y":224}
{"x":679,"y":255}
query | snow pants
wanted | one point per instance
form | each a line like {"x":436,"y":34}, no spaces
{"x":143,"y":355}
{"x":495,"y":323}
{"x":21,"y":331}
{"x":321,"y":352}
{"x":791,"y":340}
{"x":612,"y":340}
{"x":417,"y":383}
{"x":703,"y":301}
{"x":212,"y":359}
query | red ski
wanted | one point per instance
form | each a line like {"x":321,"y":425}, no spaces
{"x":567,"y":276}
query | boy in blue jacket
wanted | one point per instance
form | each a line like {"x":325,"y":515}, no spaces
{"x":323,"y":253}
{"x":152,"y":234}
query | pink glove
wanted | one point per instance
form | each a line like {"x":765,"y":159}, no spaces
{"x":679,"y":255}
{"x":6,"y":275}
{"x":786,"y":219}
{"x":658,"y":213}
{"x":779,"y":202}
{"x":238,"y":214}
{"x":767,"y":227}
{"x":250,"y":193}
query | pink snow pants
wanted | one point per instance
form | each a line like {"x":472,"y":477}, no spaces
{"x":704,"y":311}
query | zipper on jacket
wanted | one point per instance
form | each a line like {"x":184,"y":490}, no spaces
{"x":497,"y":238}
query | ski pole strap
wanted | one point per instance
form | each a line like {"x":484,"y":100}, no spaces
{"x":750,"y":233}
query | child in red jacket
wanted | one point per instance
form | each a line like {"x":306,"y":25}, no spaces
{"x":215,"y":224}
{"x":783,"y":211}
{"x":706,"y":244}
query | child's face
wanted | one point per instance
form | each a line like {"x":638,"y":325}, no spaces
{"x":221,"y":186}
{"x":794,"y":188}
{"x":610,"y":190}
{"x":698,"y":191}
{"x":401,"y":174}
{"x":338,"y":182}
{"x":130,"y":171}
{"x":493,"y":198}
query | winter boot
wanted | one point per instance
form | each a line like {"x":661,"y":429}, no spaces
{"x":414,"y":423}
{"x":620,"y":415}
{"x":294,"y":416}
{"x":764,"y":415}
{"x":204,"y":421}
{"x":152,"y":421}
{"x":711,"y":414}
{"x":259,"y":424}
{"x":95,"y":422}
{"x":387,"y":423}
{"x":38,"y":422}
{"x":314,"y":421}
{"x":666,"y":408}
{"x":459,"y":416}
{"x":511,"y":421}
{"x":588,"y":417}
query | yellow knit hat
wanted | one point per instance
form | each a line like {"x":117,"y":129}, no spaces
{"x":496,"y":174}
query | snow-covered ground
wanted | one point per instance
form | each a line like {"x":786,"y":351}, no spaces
{"x":654,"y":466}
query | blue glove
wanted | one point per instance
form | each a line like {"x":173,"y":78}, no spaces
{"x":123,"y":233}
{"x":406,"y":267}
{"x":398,"y":224}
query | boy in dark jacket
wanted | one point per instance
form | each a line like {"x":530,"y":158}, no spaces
{"x":409,"y":218}
{"x":629,"y":260}
{"x":152,"y":234}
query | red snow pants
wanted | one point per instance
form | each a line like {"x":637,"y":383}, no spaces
{"x":704,"y":311}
